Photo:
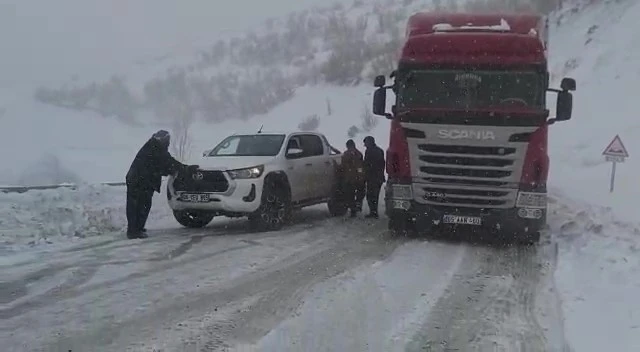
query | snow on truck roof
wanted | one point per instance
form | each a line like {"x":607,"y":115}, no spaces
{"x":466,"y":38}
{"x":430,"y":23}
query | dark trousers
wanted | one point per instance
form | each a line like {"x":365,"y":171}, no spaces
{"x":138,"y":207}
{"x":373,"y":194}
{"x":353,"y":196}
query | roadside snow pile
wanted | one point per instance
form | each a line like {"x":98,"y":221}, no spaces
{"x":47,"y":216}
{"x":597,"y":276}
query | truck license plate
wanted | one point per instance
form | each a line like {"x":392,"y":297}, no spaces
{"x":464,"y":220}
{"x":195,"y":198}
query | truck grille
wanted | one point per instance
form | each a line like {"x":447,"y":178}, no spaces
{"x":467,"y":176}
{"x":211,"y":181}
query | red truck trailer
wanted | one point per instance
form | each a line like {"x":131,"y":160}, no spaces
{"x":468,"y":137}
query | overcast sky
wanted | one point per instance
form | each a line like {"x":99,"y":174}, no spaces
{"x":44,"y":40}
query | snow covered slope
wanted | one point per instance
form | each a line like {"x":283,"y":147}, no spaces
{"x":598,"y":234}
{"x":601,"y":50}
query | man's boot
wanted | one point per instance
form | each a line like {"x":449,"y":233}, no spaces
{"x":372,"y":215}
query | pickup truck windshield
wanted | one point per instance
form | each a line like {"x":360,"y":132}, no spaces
{"x":249,"y":145}
{"x":471,"y":89}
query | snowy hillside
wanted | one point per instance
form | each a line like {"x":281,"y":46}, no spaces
{"x":587,"y":271}
{"x":90,"y":116}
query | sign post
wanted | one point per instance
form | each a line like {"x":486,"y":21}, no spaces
{"x":615,"y":153}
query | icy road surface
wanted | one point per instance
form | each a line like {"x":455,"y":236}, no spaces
{"x":320,"y":285}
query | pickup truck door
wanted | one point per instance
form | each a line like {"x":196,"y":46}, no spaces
{"x":318,"y":166}
{"x":297,"y":171}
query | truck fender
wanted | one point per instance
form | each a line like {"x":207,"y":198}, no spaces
{"x":279,"y":180}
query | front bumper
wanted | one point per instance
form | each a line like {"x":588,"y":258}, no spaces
{"x":506,"y":220}
{"x":242,"y":197}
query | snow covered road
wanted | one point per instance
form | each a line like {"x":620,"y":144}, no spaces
{"x":321,"y":285}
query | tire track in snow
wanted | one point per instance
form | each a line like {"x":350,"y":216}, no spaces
{"x":82,"y":271}
{"x":490,"y":304}
{"x":277,"y":291}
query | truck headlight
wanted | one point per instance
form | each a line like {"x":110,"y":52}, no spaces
{"x":531,"y":200}
{"x":401,"y":192}
{"x":250,"y":172}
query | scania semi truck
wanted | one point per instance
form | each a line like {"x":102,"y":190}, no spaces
{"x":469,"y":126}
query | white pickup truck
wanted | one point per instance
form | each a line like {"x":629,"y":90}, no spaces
{"x":263,"y":176}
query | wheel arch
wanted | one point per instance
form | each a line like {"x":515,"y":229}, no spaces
{"x":279,"y":180}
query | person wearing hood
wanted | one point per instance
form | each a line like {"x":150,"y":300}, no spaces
{"x":145,"y":177}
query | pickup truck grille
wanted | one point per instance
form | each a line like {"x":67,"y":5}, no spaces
{"x":467,"y":176}
{"x":211,"y":181}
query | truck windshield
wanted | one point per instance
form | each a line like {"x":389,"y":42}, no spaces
{"x":249,"y":145}
{"x":471,"y":89}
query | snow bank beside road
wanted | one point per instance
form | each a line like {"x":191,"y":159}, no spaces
{"x":48,"y":216}
{"x":597,"y":276}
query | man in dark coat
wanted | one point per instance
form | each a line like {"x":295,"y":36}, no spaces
{"x":145,"y":176}
{"x":374,"y":166}
{"x":353,"y":178}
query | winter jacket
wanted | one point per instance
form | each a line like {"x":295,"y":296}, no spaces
{"x":151,"y":163}
{"x":352,"y":167}
{"x":374,"y":164}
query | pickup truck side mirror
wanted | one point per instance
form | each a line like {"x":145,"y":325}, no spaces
{"x":206,"y":152}
{"x":294,"y":152}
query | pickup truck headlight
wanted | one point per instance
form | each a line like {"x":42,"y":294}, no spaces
{"x":250,"y":172}
{"x":531,"y":200}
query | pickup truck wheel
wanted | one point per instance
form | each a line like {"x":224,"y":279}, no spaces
{"x":192,"y":218}
{"x":274,"y":211}
{"x":400,"y":225}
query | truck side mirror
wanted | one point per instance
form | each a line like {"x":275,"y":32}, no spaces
{"x":568,"y":84}
{"x":379,"y":81}
{"x":206,"y":152}
{"x":380,"y":102}
{"x":564,"y":106}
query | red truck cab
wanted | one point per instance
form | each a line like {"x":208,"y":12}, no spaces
{"x":468,"y":136}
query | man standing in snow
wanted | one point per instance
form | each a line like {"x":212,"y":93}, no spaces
{"x":374,"y":166}
{"x":353,"y":177}
{"x":145,"y":176}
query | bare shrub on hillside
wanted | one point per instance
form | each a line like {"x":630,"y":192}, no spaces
{"x":353,"y":131}
{"x":369,"y":121}
{"x":305,"y":48}
{"x":309,"y":124}
{"x":349,"y":50}
{"x":182,"y":145}
{"x":112,"y":98}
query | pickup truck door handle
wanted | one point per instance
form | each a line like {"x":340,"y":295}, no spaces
{"x":308,"y":164}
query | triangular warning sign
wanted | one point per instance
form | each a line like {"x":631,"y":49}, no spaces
{"x":616,"y":148}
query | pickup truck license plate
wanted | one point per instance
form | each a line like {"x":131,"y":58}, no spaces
{"x":195,"y":198}
{"x":464,"y":220}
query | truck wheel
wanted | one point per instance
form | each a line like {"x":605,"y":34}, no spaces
{"x":274,"y":211}
{"x":529,"y":239}
{"x":192,"y":218}
{"x":400,"y":225}
{"x":336,"y":207}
